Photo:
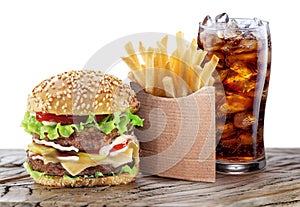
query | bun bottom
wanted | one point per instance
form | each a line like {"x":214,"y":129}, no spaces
{"x":59,"y":181}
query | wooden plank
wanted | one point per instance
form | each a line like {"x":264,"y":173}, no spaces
{"x":278,"y":185}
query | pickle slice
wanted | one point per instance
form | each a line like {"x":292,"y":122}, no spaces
{"x":40,"y":149}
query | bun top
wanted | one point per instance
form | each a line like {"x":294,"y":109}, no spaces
{"x":81,"y":92}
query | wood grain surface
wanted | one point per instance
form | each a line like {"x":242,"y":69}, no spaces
{"x":278,"y":185}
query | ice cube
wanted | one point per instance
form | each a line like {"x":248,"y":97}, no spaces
{"x":225,"y":129}
{"x":237,"y":83}
{"x":243,"y":69}
{"x":231,"y":44}
{"x":220,"y":34}
{"x":207,"y":21}
{"x":247,"y":45}
{"x":247,"y":139}
{"x":246,"y":57}
{"x":222,"y":18}
{"x":232,"y":29}
{"x":236,"y":103}
{"x":243,"y":120}
{"x":232,"y":24}
{"x":228,"y":146}
{"x":254,"y":23}
{"x":220,"y":75}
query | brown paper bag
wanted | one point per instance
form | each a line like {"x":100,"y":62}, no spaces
{"x":178,"y":137}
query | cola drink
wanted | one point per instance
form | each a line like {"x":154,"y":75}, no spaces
{"x":242,"y":74}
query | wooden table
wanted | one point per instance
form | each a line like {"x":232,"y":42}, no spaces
{"x":278,"y":185}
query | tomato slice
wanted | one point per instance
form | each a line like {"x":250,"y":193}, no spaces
{"x":119,"y":146}
{"x":65,"y":119}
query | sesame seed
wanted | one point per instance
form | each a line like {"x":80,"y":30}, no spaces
{"x":64,"y":106}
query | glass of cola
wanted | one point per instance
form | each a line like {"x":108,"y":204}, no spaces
{"x":242,"y":79}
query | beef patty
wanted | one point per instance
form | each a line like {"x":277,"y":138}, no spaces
{"x":89,"y":140}
{"x":57,"y":169}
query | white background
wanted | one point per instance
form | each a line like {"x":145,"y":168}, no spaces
{"x":42,"y":38}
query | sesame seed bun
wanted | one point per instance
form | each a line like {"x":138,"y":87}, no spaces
{"x":59,"y":181}
{"x":81,"y":92}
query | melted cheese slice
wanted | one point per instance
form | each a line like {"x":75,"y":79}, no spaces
{"x":72,"y":166}
{"x":78,"y":162}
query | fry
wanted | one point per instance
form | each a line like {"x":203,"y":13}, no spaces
{"x":130,"y":50}
{"x":211,"y":81}
{"x":193,"y":47}
{"x":157,"y":59}
{"x":195,"y":81}
{"x":149,"y":81}
{"x":158,"y":82}
{"x":139,"y":76}
{"x":131,"y":76}
{"x":131,"y":64}
{"x":157,"y":64}
{"x":169,"y":87}
{"x":184,"y":90}
{"x":175,"y":62}
{"x":199,"y":57}
{"x":149,"y":58}
{"x":175,"y":75}
{"x":183,"y":72}
{"x":164,"y":41}
{"x":142,"y":51}
{"x":208,"y":69}
{"x":180,"y":43}
{"x":163,"y":54}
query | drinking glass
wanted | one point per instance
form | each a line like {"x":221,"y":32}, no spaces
{"x":243,"y":47}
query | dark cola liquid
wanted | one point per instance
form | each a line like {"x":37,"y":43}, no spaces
{"x":242,"y":80}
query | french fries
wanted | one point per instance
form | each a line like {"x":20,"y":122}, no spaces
{"x":175,"y":75}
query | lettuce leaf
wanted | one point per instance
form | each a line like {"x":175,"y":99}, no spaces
{"x":98,"y":174}
{"x":123,"y":122}
{"x":33,"y":173}
{"x":131,"y":171}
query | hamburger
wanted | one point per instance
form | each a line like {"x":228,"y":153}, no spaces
{"x":82,"y":127}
